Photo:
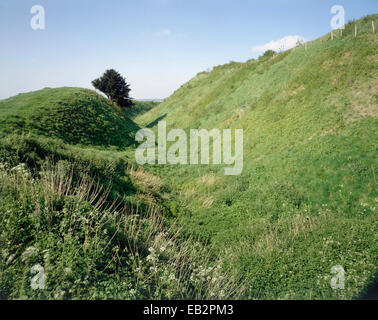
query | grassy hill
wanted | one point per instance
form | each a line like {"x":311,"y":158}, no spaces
{"x":307,"y":199}
{"x":75,"y":115}
{"x":72,"y":203}
{"x":73,"y":200}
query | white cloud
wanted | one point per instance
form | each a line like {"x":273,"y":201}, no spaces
{"x":163,"y":33}
{"x":283,"y":44}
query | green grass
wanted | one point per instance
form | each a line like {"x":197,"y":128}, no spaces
{"x":73,"y":200}
{"x":91,"y":248}
{"x":139,"y":108}
{"x":75,"y":115}
{"x":310,"y":129}
{"x":98,"y":226}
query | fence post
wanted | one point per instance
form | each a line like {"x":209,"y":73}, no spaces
{"x":331,"y":35}
{"x":355,"y":30}
{"x":372,"y":24}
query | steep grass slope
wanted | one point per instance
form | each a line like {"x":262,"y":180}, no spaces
{"x":75,"y":115}
{"x":306,"y":200}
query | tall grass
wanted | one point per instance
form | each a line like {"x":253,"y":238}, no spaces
{"x":91,"y":248}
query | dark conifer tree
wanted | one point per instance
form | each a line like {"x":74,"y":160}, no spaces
{"x":114,"y":86}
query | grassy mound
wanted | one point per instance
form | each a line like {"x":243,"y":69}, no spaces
{"x":75,"y":115}
{"x":307,"y":198}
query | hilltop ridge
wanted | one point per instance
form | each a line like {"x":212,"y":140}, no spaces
{"x":310,"y":125}
{"x":75,"y":115}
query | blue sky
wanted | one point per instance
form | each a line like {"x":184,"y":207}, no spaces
{"x":156,"y":44}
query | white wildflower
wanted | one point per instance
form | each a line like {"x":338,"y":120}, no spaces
{"x":67,"y":271}
{"x":132,"y":292}
{"x":28,"y":253}
{"x":172,"y":277}
{"x":59,"y":294}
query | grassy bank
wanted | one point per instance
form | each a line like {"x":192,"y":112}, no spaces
{"x":73,"y":200}
{"x":306,"y":200}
